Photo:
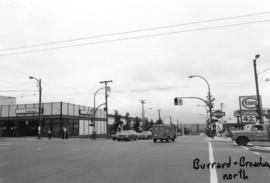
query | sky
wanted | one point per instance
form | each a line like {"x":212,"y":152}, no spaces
{"x":85,"y":48}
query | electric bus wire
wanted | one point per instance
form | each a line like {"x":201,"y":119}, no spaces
{"x":136,"y":37}
{"x":136,"y":30}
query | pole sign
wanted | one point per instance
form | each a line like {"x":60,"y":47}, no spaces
{"x":248,"y":108}
{"x":218,"y":114}
{"x":178,"y":101}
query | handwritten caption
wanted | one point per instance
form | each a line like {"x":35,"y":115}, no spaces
{"x":242,"y":163}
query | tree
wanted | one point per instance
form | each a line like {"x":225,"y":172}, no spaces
{"x":127,"y":126}
{"x":117,"y":121}
{"x":136,"y":126}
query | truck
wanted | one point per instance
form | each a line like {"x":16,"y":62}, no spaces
{"x":252,"y":132}
{"x":163,"y":132}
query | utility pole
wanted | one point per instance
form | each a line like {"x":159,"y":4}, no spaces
{"x":106,"y":102}
{"x":170,"y":120}
{"x":257,"y":89}
{"x":159,"y":118}
{"x":143,"y":102}
{"x":221,"y":108}
{"x":39,"y":105}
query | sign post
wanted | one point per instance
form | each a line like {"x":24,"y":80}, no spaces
{"x":248,"y":109}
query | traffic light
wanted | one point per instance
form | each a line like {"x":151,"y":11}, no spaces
{"x":178,"y":101}
{"x":175,"y":101}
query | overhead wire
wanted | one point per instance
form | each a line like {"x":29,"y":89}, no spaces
{"x":136,"y":37}
{"x":135,"y":31}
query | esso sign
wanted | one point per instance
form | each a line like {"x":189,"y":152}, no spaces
{"x":249,"y":103}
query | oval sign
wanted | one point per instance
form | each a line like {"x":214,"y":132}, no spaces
{"x":250,"y":103}
{"x":218,"y":113}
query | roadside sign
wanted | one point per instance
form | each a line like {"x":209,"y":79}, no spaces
{"x":248,"y":102}
{"x":218,"y":114}
{"x":248,"y":108}
{"x":248,"y":118}
{"x":178,"y":101}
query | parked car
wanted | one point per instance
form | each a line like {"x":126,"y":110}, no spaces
{"x":164,"y":132}
{"x":146,"y":135}
{"x":134,"y":134}
{"x":127,"y":135}
{"x":115,"y":136}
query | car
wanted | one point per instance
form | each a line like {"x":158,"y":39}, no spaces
{"x":115,"y":136}
{"x":134,"y":134}
{"x":164,"y":132}
{"x":146,"y":135}
{"x":127,"y":135}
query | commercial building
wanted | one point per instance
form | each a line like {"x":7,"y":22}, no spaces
{"x":23,"y":120}
{"x":5,"y":100}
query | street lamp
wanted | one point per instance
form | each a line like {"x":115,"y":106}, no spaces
{"x":257,"y":89}
{"x":39,"y":105}
{"x":209,"y":98}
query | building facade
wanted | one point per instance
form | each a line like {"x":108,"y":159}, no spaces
{"x":23,"y":120}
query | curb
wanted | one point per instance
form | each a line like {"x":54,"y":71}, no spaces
{"x":260,"y":149}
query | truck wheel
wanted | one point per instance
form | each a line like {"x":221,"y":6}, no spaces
{"x":242,"y":141}
{"x":167,"y":140}
{"x":161,"y":140}
{"x":173,"y":139}
{"x":154,"y":140}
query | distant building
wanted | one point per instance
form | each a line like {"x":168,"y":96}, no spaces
{"x":5,"y":100}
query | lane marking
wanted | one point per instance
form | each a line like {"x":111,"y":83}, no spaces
{"x":213,"y":171}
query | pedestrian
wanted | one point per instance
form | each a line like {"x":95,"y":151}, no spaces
{"x":94,"y":133}
{"x":49,"y":134}
{"x":67,"y":134}
{"x":64,"y":132}
{"x":39,"y":132}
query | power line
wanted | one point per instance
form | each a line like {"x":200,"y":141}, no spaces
{"x":135,"y":31}
{"x":137,"y":37}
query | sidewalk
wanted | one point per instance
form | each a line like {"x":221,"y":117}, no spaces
{"x":260,"y":146}
{"x":253,"y":146}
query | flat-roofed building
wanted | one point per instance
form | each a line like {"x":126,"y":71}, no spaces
{"x":23,"y":120}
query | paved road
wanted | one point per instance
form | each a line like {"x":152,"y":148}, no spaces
{"x":102,"y":161}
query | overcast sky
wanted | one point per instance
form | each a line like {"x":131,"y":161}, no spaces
{"x":154,"y":68}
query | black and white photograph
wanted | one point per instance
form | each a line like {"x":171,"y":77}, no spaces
{"x":134,"y":91}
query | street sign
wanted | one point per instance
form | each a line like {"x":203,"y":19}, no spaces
{"x":178,"y":101}
{"x":218,"y":114}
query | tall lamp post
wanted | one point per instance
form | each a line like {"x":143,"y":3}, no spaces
{"x":257,"y":89}
{"x":106,"y":102}
{"x":143,"y":112}
{"x":39,"y":105}
{"x":209,"y":99}
{"x":159,"y":118}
